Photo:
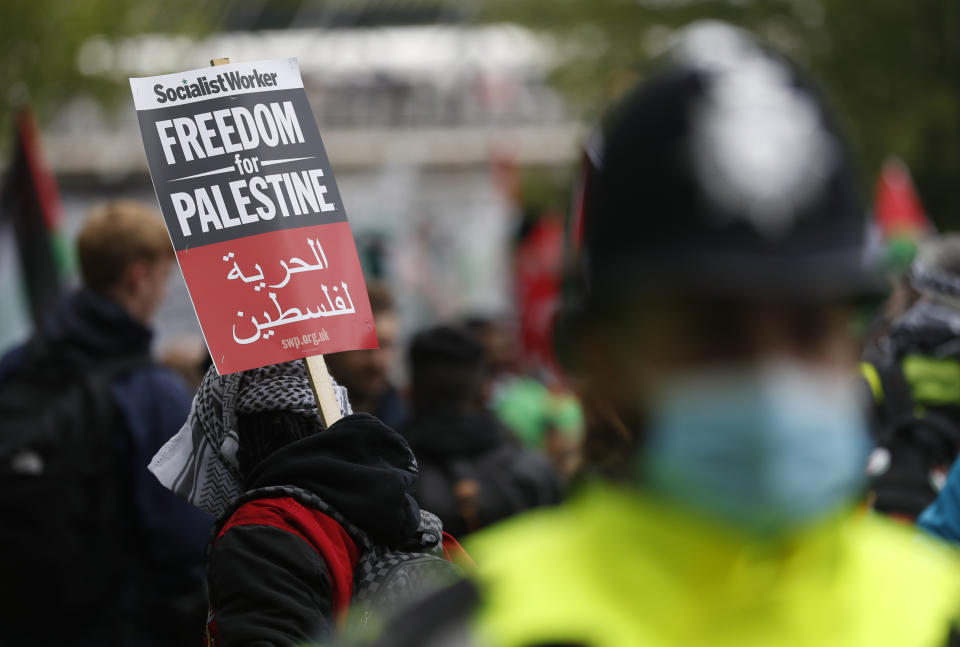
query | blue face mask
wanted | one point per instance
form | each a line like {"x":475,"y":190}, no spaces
{"x":767,"y":448}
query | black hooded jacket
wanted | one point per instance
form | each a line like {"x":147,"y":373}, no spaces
{"x":270,"y":580}
{"x":161,"y":561}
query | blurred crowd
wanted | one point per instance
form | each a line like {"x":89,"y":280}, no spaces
{"x":491,"y":439}
{"x":752,"y":441}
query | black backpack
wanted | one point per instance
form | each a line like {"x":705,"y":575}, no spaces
{"x":916,"y":445}
{"x":63,"y":498}
{"x":389,"y":580}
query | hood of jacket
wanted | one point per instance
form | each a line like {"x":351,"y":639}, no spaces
{"x":359,"y":466}
{"x":95,"y":324}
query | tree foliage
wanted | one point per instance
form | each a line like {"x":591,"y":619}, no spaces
{"x":891,"y":68}
{"x":40,"y":41}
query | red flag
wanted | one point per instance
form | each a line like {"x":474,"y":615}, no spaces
{"x":899,"y":212}
{"x":538,"y":260}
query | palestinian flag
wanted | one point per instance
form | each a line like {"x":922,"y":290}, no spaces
{"x":30,"y":210}
{"x":899,"y":215}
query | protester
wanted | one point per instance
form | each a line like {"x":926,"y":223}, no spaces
{"x":722,"y":255}
{"x":366,"y":373}
{"x":542,"y":418}
{"x":914,"y":377}
{"x":88,"y":534}
{"x":298,"y":506}
{"x":471,"y":473}
{"x":500,"y":345}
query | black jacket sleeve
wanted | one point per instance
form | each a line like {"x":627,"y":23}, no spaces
{"x":268,"y":588}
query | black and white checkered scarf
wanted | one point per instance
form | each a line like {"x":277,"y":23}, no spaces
{"x":200,"y":462}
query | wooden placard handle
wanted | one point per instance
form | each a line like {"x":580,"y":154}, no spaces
{"x":316,"y":366}
{"x":323,"y":389}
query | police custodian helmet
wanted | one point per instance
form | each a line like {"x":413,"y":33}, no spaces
{"x":721,"y":177}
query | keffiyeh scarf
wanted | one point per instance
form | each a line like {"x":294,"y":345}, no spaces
{"x":200,"y":462}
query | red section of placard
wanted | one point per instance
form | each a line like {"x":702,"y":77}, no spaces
{"x":279,"y":296}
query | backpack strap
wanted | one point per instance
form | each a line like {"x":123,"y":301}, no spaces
{"x":429,"y":537}
{"x":271,"y":506}
{"x":300,"y":495}
{"x":454,"y":552}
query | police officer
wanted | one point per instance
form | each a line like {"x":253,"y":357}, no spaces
{"x":723,"y":255}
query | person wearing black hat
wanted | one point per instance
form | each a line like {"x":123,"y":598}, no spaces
{"x":472,"y":473}
{"x":723,"y":253}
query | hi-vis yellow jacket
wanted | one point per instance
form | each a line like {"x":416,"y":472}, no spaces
{"x":613,"y":568}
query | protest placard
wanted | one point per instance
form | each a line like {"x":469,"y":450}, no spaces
{"x":254,"y":213}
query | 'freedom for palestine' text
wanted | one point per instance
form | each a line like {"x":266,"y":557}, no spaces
{"x":233,"y":129}
{"x":256,"y":198}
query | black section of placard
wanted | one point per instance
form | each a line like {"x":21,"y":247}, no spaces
{"x":180,"y":177}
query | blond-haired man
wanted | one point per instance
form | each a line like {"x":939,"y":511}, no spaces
{"x":88,"y":532}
